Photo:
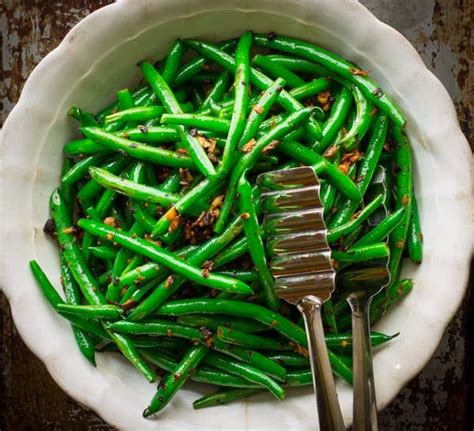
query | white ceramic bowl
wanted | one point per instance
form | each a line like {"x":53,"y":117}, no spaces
{"x":97,"y":58}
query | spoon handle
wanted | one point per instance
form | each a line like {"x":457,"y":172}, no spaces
{"x":364,"y":404}
{"x":329,"y":412}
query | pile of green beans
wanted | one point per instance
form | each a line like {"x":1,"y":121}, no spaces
{"x":157,"y":217}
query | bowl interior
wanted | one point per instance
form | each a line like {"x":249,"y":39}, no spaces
{"x":101,"y":59}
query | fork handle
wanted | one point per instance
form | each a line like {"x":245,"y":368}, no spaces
{"x":329,"y":412}
{"x":364,"y":404}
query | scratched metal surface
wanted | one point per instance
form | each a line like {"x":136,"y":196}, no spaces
{"x":439,"y":398}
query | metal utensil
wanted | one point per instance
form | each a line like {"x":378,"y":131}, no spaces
{"x":360,"y":286}
{"x":301,"y":266}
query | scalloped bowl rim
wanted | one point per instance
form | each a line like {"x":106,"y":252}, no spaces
{"x":96,"y":387}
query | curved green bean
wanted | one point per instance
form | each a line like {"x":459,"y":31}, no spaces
{"x":336,"y":64}
{"x":337,"y":116}
{"x":415,"y":237}
{"x":189,"y":142}
{"x":223,"y":397}
{"x":176,"y":379}
{"x":278,"y":71}
{"x":241,"y":95}
{"x":248,"y":160}
{"x":164,"y":257}
{"x":383,"y":229}
{"x":137,"y":150}
{"x":256,"y":248}
{"x":130,"y":188}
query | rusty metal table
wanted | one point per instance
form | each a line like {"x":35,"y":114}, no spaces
{"x":438,"y":399}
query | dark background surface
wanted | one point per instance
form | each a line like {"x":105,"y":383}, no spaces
{"x":440,"y":398}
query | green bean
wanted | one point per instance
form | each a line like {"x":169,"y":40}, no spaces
{"x":304,"y":377}
{"x":343,"y":342}
{"x":188,"y":200}
{"x":361,"y":123}
{"x":138,"y":113}
{"x":365,"y":171}
{"x":103,"y":252}
{"x":288,"y":359}
{"x":81,"y":147}
{"x":260,"y":110}
{"x":277,"y":71}
{"x":85,"y":118}
{"x":195,"y":120}
{"x":215,"y":321}
{"x":54,"y":300}
{"x":189,"y":142}
{"x":337,"y":117}
{"x":72,"y":254}
{"x":197,"y":257}
{"x":322,"y":167}
{"x":196,"y":64}
{"x":161,"y":328}
{"x":415,"y":237}
{"x":92,"y":187}
{"x":236,"y":308}
{"x":233,"y":252}
{"x":251,"y":341}
{"x":203,"y":374}
{"x":164,"y":257}
{"x":247,"y":276}
{"x":80,"y":168}
{"x":300,"y":65}
{"x":245,"y":371}
{"x":382,"y":302}
{"x":130,"y":188}
{"x":404,"y":198}
{"x":127,"y":348}
{"x":257,"y":78}
{"x":255,"y":359}
{"x":217,"y":92}
{"x":372,"y":153}
{"x":383,"y":229}
{"x":172,"y":62}
{"x":176,"y":379}
{"x":68,"y":190}
{"x":152,"y":135}
{"x":335,"y":233}
{"x":223,"y":397}
{"x":248,"y":160}
{"x":73,"y":296}
{"x":137,"y":150}
{"x":104,"y":204}
{"x":256,"y":248}
{"x":336,"y":64}
{"x":327,"y":195}
{"x":91,"y":311}
{"x":241,"y":95}
{"x":362,"y":254}
{"x":120,"y":263}
{"x":310,"y":88}
{"x":104,"y":278}
{"x":140,"y":93}
{"x":125,"y":99}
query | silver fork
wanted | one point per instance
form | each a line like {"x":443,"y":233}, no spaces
{"x":301,"y":266}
